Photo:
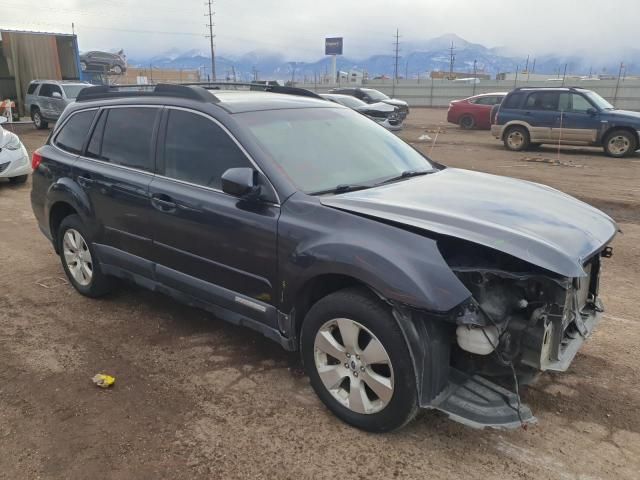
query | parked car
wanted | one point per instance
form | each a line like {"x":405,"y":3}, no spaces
{"x":528,"y":117}
{"x":369,"y":95}
{"x":402,"y":283}
{"x":474,"y":112}
{"x":103,"y":62}
{"x":383,"y":113}
{"x":46,"y":99}
{"x":14,"y":160}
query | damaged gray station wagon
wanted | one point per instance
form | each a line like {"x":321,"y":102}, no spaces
{"x":403,"y":283}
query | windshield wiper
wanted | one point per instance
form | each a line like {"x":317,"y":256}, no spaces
{"x":342,"y":188}
{"x":406,"y":174}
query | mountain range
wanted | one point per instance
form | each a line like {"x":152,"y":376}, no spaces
{"x":418,"y":59}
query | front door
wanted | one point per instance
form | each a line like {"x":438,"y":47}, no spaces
{"x":578,"y":121}
{"x":210,"y":245}
{"x":115,"y":173}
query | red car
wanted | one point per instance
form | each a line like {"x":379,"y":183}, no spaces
{"x":474,"y":112}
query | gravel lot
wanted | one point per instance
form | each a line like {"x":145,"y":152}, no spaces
{"x":198,"y":398}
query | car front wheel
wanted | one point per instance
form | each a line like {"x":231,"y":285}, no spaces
{"x":358,"y":361}
{"x":467,"y":122}
{"x":620,"y":143}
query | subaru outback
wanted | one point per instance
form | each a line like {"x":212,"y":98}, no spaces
{"x":401,"y":282}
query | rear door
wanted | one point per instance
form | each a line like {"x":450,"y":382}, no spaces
{"x":115,"y":172}
{"x":540,"y":110}
{"x":56,"y":104}
{"x":44,"y":100}
{"x":211,"y":245}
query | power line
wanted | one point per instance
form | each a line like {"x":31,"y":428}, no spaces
{"x":211,"y":35}
{"x":397,"y":44}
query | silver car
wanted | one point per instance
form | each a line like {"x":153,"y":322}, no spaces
{"x":46,"y":99}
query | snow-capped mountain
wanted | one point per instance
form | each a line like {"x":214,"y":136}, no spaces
{"x":418,"y":58}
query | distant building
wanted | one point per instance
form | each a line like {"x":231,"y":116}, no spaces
{"x":442,"y":75}
{"x":145,"y":76}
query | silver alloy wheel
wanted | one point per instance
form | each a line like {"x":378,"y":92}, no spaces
{"x":515,"y":139}
{"x":77,"y":257}
{"x":619,"y":145}
{"x":37,"y":119}
{"x":354,"y":366}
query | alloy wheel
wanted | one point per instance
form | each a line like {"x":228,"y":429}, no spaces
{"x":77,"y":257}
{"x":515,"y":139}
{"x":354,"y":366}
{"x":619,"y":145}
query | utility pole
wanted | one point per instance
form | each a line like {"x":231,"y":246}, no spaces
{"x":395,"y":70}
{"x":452,"y":59}
{"x":255,"y":74}
{"x":615,"y":95}
{"x":210,"y":36}
{"x":293,"y":73}
{"x":564,"y":75}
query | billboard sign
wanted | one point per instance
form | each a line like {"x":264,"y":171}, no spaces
{"x":333,"y":46}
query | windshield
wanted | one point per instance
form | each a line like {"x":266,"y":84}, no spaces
{"x":72,"y":91}
{"x":321,"y":148}
{"x":375,"y":94}
{"x":351,"y":102}
{"x":598,"y":101}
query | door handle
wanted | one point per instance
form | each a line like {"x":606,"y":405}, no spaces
{"x":164,"y":203}
{"x":85,"y":180}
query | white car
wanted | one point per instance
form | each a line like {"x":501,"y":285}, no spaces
{"x":14,"y":160}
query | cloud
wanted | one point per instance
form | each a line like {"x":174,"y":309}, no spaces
{"x":297,"y":27}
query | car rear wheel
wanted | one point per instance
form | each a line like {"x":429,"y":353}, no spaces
{"x":19,"y":179}
{"x":620,"y":143}
{"x":358,"y":361}
{"x":79,"y":260}
{"x":38,"y":121}
{"x":467,"y":122}
{"x":516,"y":139}
{"x":117,"y":70}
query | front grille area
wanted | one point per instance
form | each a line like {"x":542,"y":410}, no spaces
{"x":4,"y":166}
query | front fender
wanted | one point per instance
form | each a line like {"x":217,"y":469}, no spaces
{"x":400,"y":265}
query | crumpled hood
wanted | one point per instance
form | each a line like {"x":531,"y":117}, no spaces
{"x":380,"y":107}
{"x":533,"y":222}
{"x":395,"y":102}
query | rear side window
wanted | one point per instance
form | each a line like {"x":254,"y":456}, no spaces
{"x":73,"y":133}
{"x":543,"y":101}
{"x":32,"y":88}
{"x":127,"y":136}
{"x":198,"y":151}
{"x":513,"y":101}
{"x":45,"y":90}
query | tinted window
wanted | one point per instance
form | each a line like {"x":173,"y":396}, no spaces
{"x":543,"y":101}
{"x":93,"y":149}
{"x":32,"y":88}
{"x":45,"y":90}
{"x":579,"y":103}
{"x":199,"y":151}
{"x":514,"y":100}
{"x":485,"y":101}
{"x":127,"y":137}
{"x":71,"y":137}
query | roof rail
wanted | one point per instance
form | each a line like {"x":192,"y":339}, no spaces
{"x":267,"y":86}
{"x":550,"y":87}
{"x":160,"y":90}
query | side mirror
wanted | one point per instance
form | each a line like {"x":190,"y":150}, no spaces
{"x":56,"y":95}
{"x":240,"y":182}
{"x":3,"y":120}
{"x":592,"y":111}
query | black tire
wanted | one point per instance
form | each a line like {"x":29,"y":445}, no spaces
{"x":517,"y":138}
{"x":117,"y":70}
{"x":39,"y":122}
{"x":83,"y":66}
{"x":467,"y":122}
{"x":100,"y":284}
{"x":19,"y":179}
{"x":620,"y":143}
{"x":361,"y":305}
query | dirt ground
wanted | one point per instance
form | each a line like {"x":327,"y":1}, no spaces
{"x":197,"y":398}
